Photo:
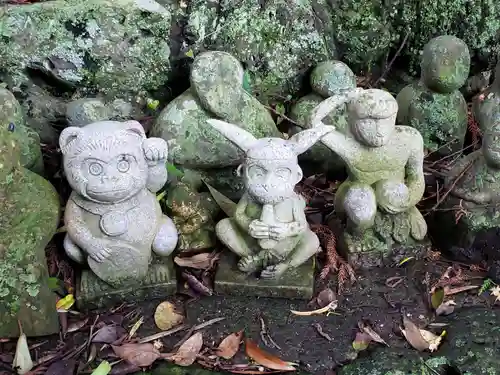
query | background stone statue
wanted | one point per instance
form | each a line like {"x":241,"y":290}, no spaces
{"x":327,"y":79}
{"x":269,"y":230}
{"x":486,"y":107}
{"x":29,"y":216}
{"x":113,"y":218}
{"x":434,"y":105}
{"x":385,"y":172}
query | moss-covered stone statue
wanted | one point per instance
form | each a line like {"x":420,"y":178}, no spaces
{"x":28,"y":140}
{"x":193,"y":213}
{"x":269,"y":230}
{"x":216,"y":91}
{"x":474,"y":202}
{"x":486,"y":107}
{"x":29,"y":216}
{"x":433,"y":105}
{"x":327,"y":79}
{"x":385,"y":175}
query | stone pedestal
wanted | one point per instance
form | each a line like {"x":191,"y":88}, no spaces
{"x":297,"y":283}
{"x":93,"y":293}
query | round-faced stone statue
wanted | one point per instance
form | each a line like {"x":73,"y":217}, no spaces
{"x":434,"y":105}
{"x":269,"y":230}
{"x":486,"y":106}
{"x":113,"y":218}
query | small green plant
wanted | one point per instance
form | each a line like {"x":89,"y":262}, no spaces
{"x":487,"y":285}
{"x":173,"y":169}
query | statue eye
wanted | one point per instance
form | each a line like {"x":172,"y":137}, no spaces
{"x":95,"y":169}
{"x":123,"y":166}
{"x":256,"y":171}
{"x":283,"y":173}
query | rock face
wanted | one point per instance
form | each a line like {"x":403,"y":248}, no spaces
{"x":117,"y":48}
{"x":327,"y":79}
{"x":434,"y":106}
{"x":29,"y":215}
{"x":28,"y":140}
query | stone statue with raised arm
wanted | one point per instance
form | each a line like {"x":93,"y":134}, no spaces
{"x":385,"y":171}
{"x":269,"y":231}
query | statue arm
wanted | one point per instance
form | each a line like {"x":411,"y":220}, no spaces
{"x":461,"y":192}
{"x":157,"y":176}
{"x":299,"y":225}
{"x":78,"y":231}
{"x":240,"y":215}
{"x":414,"y":172}
{"x":341,"y":144}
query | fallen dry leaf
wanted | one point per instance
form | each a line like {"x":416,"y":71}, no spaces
{"x":365,"y":327}
{"x":141,"y":355}
{"x":328,"y":308}
{"x":136,"y":327}
{"x":361,"y":341}
{"x":433,"y":340}
{"x":166,"y":316}
{"x":22,"y":359}
{"x":451,"y":291}
{"x":446,"y":308}
{"x":109,"y":334}
{"x":412,"y":334}
{"x":78,"y":325}
{"x":187,"y":352}
{"x":325,"y":297}
{"x":200,"y":261}
{"x":495,"y":291}
{"x":230,"y":345}
{"x":266,"y":359}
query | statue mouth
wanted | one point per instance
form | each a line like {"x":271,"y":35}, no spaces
{"x":105,"y":192}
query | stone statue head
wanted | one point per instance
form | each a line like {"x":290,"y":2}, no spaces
{"x":10,"y":154}
{"x":445,"y":63}
{"x":104,"y":161}
{"x":491,"y":145}
{"x":372,"y":116}
{"x":270,"y":170}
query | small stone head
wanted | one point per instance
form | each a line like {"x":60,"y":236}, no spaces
{"x":445,"y":64}
{"x":104,"y":161}
{"x":372,"y":116}
{"x":491,"y":145}
{"x":270,"y":170}
{"x":332,"y":77}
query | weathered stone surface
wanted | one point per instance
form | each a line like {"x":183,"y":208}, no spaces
{"x":216,"y":91}
{"x":116,"y":48}
{"x":82,"y":112}
{"x":28,"y":140}
{"x":434,"y":106}
{"x":29,"y":215}
{"x":295,"y":283}
{"x":377,"y":203}
{"x":486,"y":107}
{"x":193,"y":213}
{"x":160,"y":282}
{"x":114,"y":221}
{"x":275,"y":48}
{"x":327,"y":79}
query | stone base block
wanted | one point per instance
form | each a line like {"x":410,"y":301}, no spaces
{"x":94,"y":293}
{"x":296,"y":283}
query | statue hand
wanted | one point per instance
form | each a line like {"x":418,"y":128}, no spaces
{"x":392,"y":208}
{"x":279,"y":231}
{"x":259,"y":230}
{"x":155,"y":149}
{"x":99,"y":252}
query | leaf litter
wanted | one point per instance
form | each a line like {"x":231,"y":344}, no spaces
{"x":230,"y":345}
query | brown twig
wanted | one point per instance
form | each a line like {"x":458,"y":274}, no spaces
{"x":393,"y":59}
{"x":265,"y":336}
{"x":284,"y":116}
{"x":322,"y":333}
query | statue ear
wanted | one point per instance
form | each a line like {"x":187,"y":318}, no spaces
{"x":68,"y":136}
{"x":303,"y":140}
{"x":135,"y":127}
{"x":243,"y":139}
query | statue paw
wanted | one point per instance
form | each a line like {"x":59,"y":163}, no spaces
{"x":401,"y":230}
{"x":274,"y":271}
{"x":249,"y":264}
{"x":101,"y":255}
{"x":418,"y":225}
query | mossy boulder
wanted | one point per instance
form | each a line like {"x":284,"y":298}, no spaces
{"x":11,"y":115}
{"x":115,"y":48}
{"x":277,"y":40}
{"x":29,"y":215}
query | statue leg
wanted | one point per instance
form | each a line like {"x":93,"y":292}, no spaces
{"x":418,"y":224}
{"x":166,"y":238}
{"x":73,"y":251}
{"x":360,"y":207}
{"x":307,"y":247}
{"x":239,"y":243}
